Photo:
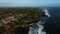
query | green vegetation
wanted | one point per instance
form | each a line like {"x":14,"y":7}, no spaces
{"x":12,"y":18}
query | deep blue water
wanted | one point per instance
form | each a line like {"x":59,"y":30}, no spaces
{"x":52,"y":25}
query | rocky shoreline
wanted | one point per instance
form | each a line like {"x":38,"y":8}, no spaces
{"x":13,"y":18}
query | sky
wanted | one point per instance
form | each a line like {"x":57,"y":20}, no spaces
{"x":29,"y":3}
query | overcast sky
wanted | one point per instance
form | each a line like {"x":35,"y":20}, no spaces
{"x":29,"y":3}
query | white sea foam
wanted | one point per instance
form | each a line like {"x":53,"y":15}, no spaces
{"x":46,"y":12}
{"x":38,"y":29}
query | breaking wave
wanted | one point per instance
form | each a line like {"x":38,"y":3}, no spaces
{"x":38,"y":29}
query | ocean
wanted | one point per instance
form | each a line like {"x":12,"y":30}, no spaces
{"x":52,"y":24}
